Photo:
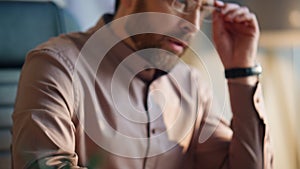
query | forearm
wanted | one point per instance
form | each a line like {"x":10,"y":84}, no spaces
{"x":247,"y":147}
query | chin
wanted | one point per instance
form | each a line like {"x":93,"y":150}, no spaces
{"x":165,"y":61}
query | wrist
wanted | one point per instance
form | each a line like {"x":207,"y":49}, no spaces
{"x":250,"y":80}
{"x":244,"y":75}
{"x":240,"y":64}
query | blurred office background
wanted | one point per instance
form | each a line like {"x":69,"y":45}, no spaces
{"x":279,"y":53}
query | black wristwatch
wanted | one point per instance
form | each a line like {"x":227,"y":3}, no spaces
{"x":243,"y":72}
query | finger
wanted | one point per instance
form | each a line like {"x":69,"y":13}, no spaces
{"x":219,"y":4}
{"x":231,"y":15}
{"x":248,"y":19}
{"x":229,"y":7}
{"x":244,"y":17}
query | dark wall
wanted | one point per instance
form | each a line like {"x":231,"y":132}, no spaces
{"x":273,"y":14}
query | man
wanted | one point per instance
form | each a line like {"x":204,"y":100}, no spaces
{"x":65,"y":117}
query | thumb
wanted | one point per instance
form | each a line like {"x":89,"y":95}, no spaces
{"x":217,"y":15}
{"x":218,"y":24}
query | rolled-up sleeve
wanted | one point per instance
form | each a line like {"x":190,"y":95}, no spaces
{"x":43,"y":131}
{"x":245,"y":144}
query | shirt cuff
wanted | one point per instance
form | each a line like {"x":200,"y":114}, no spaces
{"x":246,"y":99}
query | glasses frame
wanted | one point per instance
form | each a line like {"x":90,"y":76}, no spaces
{"x":205,"y":7}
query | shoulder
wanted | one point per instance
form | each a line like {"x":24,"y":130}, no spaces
{"x":64,"y":50}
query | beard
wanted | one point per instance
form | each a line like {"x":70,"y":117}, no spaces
{"x":157,"y":56}
{"x":164,"y":59}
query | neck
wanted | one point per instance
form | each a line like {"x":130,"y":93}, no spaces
{"x":119,"y":28}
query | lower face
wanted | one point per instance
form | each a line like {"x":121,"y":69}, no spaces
{"x":169,"y":45}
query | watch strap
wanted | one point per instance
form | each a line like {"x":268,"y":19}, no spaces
{"x":243,"y":72}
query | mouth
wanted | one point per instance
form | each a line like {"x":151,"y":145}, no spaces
{"x":176,"y":46}
{"x":179,"y":43}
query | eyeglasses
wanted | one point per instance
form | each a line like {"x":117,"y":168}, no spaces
{"x":188,"y":6}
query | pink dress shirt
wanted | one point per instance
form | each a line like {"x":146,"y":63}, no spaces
{"x":57,"y":125}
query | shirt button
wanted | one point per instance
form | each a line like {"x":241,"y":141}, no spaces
{"x":257,"y":100}
{"x":153,"y":131}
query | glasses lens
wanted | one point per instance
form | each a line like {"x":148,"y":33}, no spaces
{"x":188,"y":6}
{"x":207,"y":13}
{"x":184,"y":6}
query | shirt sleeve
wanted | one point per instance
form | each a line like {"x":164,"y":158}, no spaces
{"x":245,"y":143}
{"x":43,"y":131}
